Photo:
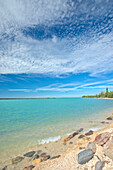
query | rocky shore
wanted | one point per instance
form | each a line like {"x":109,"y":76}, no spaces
{"x":92,"y":150}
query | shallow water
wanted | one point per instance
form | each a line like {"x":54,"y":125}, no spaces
{"x":27,"y":122}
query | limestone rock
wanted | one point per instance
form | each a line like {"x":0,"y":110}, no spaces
{"x":102,"y":138}
{"x":99,"y":165}
{"x":92,"y":146}
{"x":85,"y":156}
{"x":109,"y":152}
{"x":29,"y":167}
{"x":29,"y":154}
{"x":17,"y":159}
{"x":36,"y":161}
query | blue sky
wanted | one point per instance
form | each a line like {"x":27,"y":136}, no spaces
{"x":55,"y":48}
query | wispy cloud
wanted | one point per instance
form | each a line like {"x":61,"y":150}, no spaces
{"x":19,"y":90}
{"x":90,"y":51}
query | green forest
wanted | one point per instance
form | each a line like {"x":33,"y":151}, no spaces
{"x":103,"y":94}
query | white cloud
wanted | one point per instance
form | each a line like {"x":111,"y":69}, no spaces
{"x":53,"y":56}
{"x":19,"y":90}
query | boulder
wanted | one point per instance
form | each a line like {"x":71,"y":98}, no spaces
{"x":29,"y":167}
{"x":29,"y":154}
{"x":89,"y":133}
{"x":109,"y":152}
{"x":54,"y":157}
{"x":17,"y":159}
{"x":99,"y":165}
{"x":36,"y":161}
{"x":102,"y":138}
{"x":85,"y":156}
{"x":92,"y":146}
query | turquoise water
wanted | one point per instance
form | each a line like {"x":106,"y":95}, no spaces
{"x":27,"y":122}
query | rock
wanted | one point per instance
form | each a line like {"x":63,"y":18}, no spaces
{"x":92,"y":146}
{"x":109,"y":152}
{"x":29,"y":154}
{"x":108,"y":143}
{"x":35,"y":156}
{"x":54,"y":157}
{"x":81,"y":148}
{"x":36,"y":161}
{"x":89,"y":133}
{"x":99,"y":165}
{"x":102,"y":138}
{"x":85,"y":156}
{"x":46,"y":157}
{"x":80,"y":130}
{"x":29,"y":167}
{"x":81,"y":136}
{"x":4,"y":168}
{"x":39,"y":151}
{"x":70,"y":142}
{"x":70,"y":136}
{"x":17,"y":159}
{"x":43,"y":154}
{"x":109,"y":118}
{"x":104,"y":122}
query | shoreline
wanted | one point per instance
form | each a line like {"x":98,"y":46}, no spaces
{"x":54,"y":148}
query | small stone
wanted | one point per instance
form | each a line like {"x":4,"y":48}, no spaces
{"x":29,"y":154}
{"x":4,"y":168}
{"x":102,"y":138}
{"x":81,"y":136}
{"x":43,"y":154}
{"x":17,"y":159}
{"x":36,"y":161}
{"x":92,"y":146}
{"x":85,"y":156}
{"x":70,"y":142}
{"x":99,"y":165}
{"x":46,"y":157}
{"x":54,"y":157}
{"x":35,"y":156}
{"x":81,"y":148}
{"x":109,"y":118}
{"x":89,"y":133}
{"x":29,"y":167}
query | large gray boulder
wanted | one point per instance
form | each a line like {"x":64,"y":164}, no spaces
{"x":85,"y":156}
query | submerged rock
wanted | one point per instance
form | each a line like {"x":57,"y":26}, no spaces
{"x":29,"y":154}
{"x":85,"y":156}
{"x":29,"y":167}
{"x":102,"y":138}
{"x":89,"y":133}
{"x":92,"y":146}
{"x":99,"y":165}
{"x":17,"y":159}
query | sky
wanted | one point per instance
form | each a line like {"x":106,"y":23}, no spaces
{"x":60,"y":48}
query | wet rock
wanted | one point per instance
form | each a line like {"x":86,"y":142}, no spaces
{"x":29,"y":167}
{"x":29,"y":154}
{"x":109,"y":152}
{"x":70,"y":136}
{"x":5,"y":168}
{"x":102,"y":138}
{"x":37,"y":161}
{"x":43,"y":154}
{"x":17,"y":159}
{"x":99,"y":165}
{"x":35,"y":156}
{"x":109,"y":118}
{"x":89,"y":133}
{"x":81,"y":136}
{"x":45,"y":158}
{"x":54,"y":157}
{"x":92,"y":146}
{"x":80,"y":130}
{"x":85,"y":156}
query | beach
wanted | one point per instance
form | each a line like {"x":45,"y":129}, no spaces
{"x":62,"y":154}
